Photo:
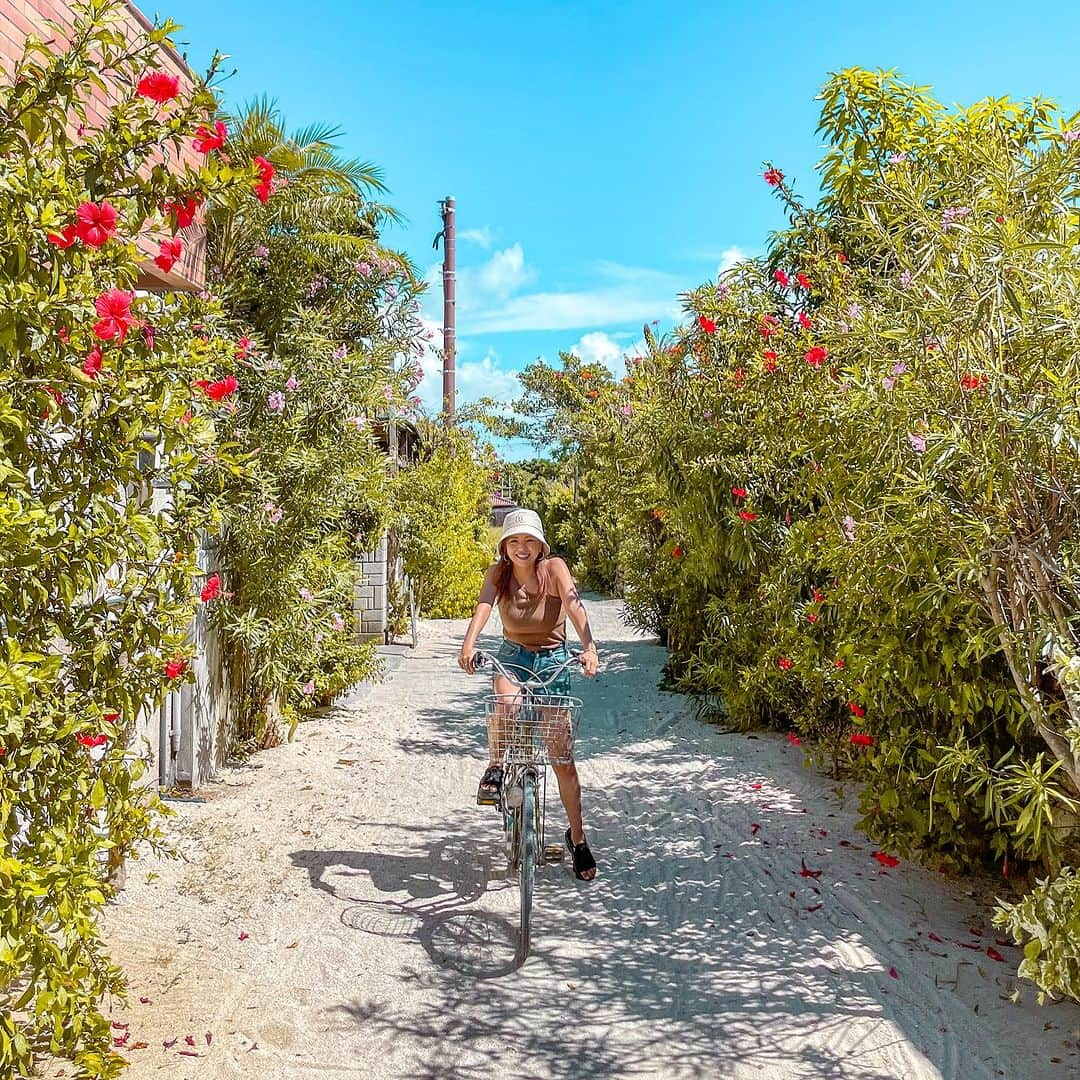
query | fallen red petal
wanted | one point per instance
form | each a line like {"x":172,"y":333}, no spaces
{"x":886,"y":860}
{"x":807,"y":872}
{"x":993,"y":953}
{"x":893,"y":973}
{"x":933,"y":937}
{"x":754,"y":828}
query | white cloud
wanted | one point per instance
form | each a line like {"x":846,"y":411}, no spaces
{"x":730,"y":258}
{"x":480,"y":237}
{"x":597,"y":347}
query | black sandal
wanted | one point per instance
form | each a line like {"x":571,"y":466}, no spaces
{"x":487,"y":794}
{"x":582,"y":856}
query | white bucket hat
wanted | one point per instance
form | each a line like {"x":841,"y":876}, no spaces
{"x":524,"y":523}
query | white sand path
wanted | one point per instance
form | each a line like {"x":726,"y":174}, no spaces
{"x":380,"y":925}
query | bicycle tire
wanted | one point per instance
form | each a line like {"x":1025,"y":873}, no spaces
{"x":527,"y":862}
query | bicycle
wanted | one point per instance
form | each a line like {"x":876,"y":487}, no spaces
{"x":527,"y":731}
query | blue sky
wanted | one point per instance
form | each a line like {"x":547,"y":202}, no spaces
{"x":604,"y":156}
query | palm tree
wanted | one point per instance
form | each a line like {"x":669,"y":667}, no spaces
{"x":326,"y":197}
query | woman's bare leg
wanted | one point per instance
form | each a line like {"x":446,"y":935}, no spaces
{"x":570,"y":793}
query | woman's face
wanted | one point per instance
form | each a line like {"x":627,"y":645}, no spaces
{"x":522,"y":550}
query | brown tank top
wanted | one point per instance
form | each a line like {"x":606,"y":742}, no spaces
{"x":535,"y":622}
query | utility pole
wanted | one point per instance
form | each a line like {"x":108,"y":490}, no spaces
{"x":449,"y":279}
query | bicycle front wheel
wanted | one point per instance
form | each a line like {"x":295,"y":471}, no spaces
{"x":526,"y":862}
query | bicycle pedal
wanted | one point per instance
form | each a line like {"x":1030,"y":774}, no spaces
{"x":553,"y":853}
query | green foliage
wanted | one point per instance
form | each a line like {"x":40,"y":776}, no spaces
{"x":1046,"y":924}
{"x":96,"y":569}
{"x":324,"y":312}
{"x":848,"y":500}
{"x":442,"y":507}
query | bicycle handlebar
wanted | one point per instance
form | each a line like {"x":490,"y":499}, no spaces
{"x":535,"y":683}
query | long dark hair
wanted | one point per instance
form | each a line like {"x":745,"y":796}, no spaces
{"x":504,"y":576}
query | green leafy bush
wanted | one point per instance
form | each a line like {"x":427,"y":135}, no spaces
{"x":96,"y":576}
{"x":441,"y":507}
{"x":845,"y":491}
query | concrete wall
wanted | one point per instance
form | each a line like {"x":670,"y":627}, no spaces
{"x":369,"y":604}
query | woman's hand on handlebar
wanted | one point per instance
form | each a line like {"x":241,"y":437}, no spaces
{"x":467,"y":660}
{"x":589,"y":661}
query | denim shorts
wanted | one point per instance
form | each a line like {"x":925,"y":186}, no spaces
{"x":517,"y":657}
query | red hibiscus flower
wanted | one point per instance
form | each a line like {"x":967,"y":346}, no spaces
{"x":769,"y":326}
{"x":206,"y":140}
{"x":773,"y":177}
{"x":781,"y":278}
{"x":169,"y":253}
{"x":804,"y":320}
{"x":65,"y":238}
{"x":96,"y":224}
{"x":794,"y":739}
{"x":856,"y":709}
{"x":785,"y":664}
{"x":859,"y":739}
{"x":886,"y":860}
{"x":114,"y":307}
{"x":748,"y":515}
{"x":92,"y":741}
{"x":184,"y":212}
{"x":739,"y":492}
{"x":816,"y":356}
{"x":804,"y":281}
{"x":677,"y":553}
{"x":212,"y":589}
{"x":706,"y":324}
{"x":222,"y":388}
{"x":264,"y":185}
{"x":92,"y":364}
{"x":175,"y":668}
{"x":159,"y":87}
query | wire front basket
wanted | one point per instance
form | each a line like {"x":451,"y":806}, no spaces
{"x":538,"y":730}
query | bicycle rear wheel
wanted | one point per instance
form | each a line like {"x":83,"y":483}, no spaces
{"x":526,"y":862}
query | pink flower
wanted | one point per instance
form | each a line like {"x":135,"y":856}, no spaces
{"x":918,"y":442}
{"x":804,"y":320}
{"x":849,"y":527}
{"x":291,"y":383}
{"x":96,"y":223}
{"x":216,"y":391}
{"x":358,"y":422}
{"x":363,"y":269}
{"x":212,"y":589}
{"x":309,"y":687}
{"x":114,"y":309}
{"x":169,"y":253}
{"x":273,"y":513}
{"x":626,"y":410}
{"x":206,"y":140}
{"x":159,"y":87}
{"x":338,"y":623}
{"x":276,"y":401}
{"x":92,"y":364}
{"x":340,"y":352}
{"x":388,"y":393}
{"x":1071,"y":135}
{"x":306,"y":594}
{"x":888,"y":382}
{"x":65,"y":238}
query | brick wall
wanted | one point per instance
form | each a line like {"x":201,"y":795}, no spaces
{"x":369,"y":605}
{"x":18,"y":19}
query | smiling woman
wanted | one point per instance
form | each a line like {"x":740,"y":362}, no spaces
{"x":535,"y":593}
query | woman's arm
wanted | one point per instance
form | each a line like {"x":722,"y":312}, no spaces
{"x":575,"y":609}
{"x":467,"y":656}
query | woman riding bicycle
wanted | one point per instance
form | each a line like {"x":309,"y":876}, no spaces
{"x":534,"y":593}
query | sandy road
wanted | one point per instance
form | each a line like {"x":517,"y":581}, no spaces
{"x":341,"y":911}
